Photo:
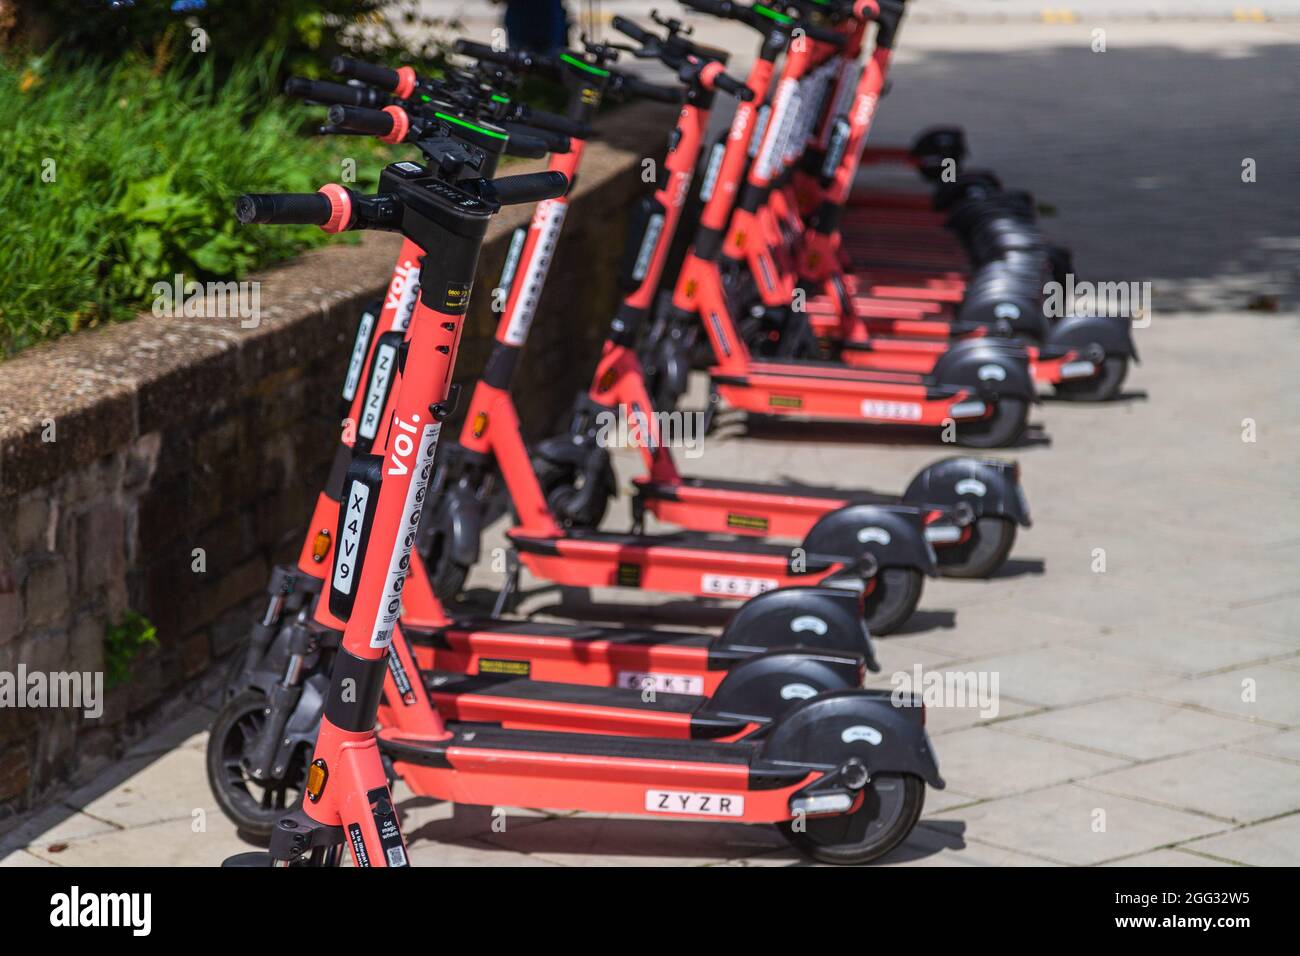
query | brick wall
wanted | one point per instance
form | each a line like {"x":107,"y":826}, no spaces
{"x":171,"y":434}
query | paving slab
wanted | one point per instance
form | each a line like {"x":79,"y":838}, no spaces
{"x":168,"y":843}
{"x":1000,"y":625}
{"x":1174,"y":857}
{"x":1227,"y":784}
{"x":1059,"y":823}
{"x":1190,"y":648}
{"x":1273,"y":843}
{"x":1133,"y":728}
{"x":1282,"y":745}
{"x":988,"y":763}
{"x":1264,"y":692}
{"x":161,"y":789}
{"x":1062,"y":676}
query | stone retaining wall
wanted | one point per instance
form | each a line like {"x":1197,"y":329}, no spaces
{"x":124,"y":449}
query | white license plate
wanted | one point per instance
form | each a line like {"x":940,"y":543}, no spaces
{"x":733,"y":586}
{"x":694,"y":803}
{"x":661,"y":683}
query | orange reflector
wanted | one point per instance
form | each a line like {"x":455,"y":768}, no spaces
{"x":317,"y":774}
{"x":480,"y":424}
{"x":321,"y":545}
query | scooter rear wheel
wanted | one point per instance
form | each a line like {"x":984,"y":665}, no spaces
{"x":892,"y":601}
{"x":986,"y":550}
{"x":891,"y":805}
{"x":1003,"y":428}
{"x":1102,"y":387}
{"x":253,"y":806}
{"x":446,"y":574}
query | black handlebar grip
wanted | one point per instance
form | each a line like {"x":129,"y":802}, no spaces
{"x":554,"y":122}
{"x":322,"y":91}
{"x":481,"y":51}
{"x":530,"y":187}
{"x":631,"y":86}
{"x":737,"y":88}
{"x":629,"y":28}
{"x":526,"y":144}
{"x":380,"y":76}
{"x":719,"y":8}
{"x":521,"y":136}
{"x":289,"y":209}
{"x":356,"y":119}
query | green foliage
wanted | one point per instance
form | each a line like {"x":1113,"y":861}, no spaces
{"x":122,"y":642}
{"x":308,"y":32}
{"x":117,"y":178}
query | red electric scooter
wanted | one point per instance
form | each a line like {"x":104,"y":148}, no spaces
{"x":848,"y":767}
{"x":980,"y":392}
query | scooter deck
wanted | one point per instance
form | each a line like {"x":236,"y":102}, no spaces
{"x":540,"y":705}
{"x":553,"y":767}
{"x":831,"y":370}
{"x":684,"y":562}
{"x":674,"y":489}
{"x":685,"y":541}
{"x":684,"y":661}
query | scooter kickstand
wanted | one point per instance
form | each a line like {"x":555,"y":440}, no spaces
{"x":506,"y":596}
{"x":711,"y":409}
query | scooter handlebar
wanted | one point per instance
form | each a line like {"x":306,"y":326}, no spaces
{"x":530,"y":136}
{"x":631,"y":29}
{"x":358,"y":119}
{"x":553,"y":122}
{"x":322,"y":91}
{"x":291,"y":209}
{"x":520,"y":61}
{"x":380,"y":76}
{"x":530,"y":187}
{"x":529,"y":144}
{"x":718,"y":8}
{"x":630,"y":86}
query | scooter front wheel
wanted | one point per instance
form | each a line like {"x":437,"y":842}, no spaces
{"x":991,"y":539}
{"x":1002,"y":428}
{"x":254,"y":806}
{"x":891,"y":805}
{"x":892,"y":601}
{"x":1102,"y":387}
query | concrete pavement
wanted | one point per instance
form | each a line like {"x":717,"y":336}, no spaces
{"x":1159,"y":699}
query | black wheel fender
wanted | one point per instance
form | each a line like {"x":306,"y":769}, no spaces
{"x":1018,"y":309}
{"x":770,"y":684}
{"x":459,"y":516}
{"x":894,"y":536}
{"x":304,"y":723}
{"x":1113,"y":334}
{"x":833,"y":727}
{"x":669,"y":372}
{"x":826,"y":618}
{"x":991,"y":486}
{"x":990,"y":367}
